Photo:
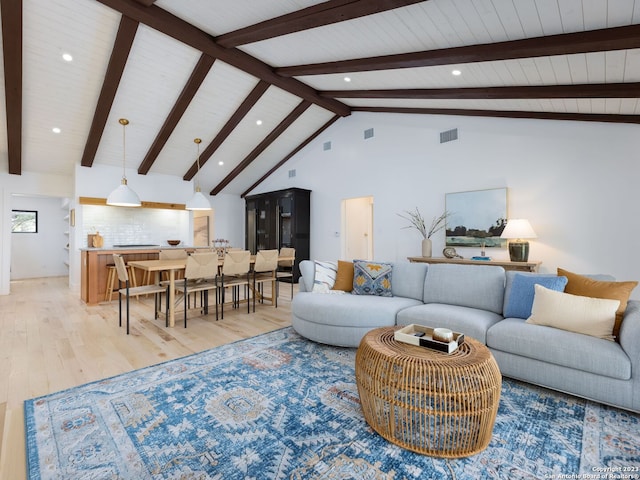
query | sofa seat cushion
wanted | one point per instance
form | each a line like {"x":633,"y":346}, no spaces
{"x":470,"y":321}
{"x":559,"y":347}
{"x":349,"y":310}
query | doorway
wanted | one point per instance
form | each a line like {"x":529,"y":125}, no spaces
{"x":357,"y":225}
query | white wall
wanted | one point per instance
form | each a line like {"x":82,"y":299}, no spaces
{"x":576,"y":182}
{"x":40,"y":254}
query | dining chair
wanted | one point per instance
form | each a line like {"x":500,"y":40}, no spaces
{"x":199,"y":277}
{"x":264,"y":271}
{"x":236,"y":270}
{"x":128,"y":291}
{"x":285,"y":267}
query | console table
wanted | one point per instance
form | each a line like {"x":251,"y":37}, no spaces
{"x":520,"y":266}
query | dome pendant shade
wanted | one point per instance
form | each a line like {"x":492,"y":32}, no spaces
{"x":123,"y":196}
{"x":198,"y":201}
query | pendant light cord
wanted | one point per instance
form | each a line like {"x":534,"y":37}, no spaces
{"x":124,"y":122}
{"x":197,"y":141}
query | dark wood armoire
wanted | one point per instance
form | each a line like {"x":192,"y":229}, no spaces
{"x":279,"y":219}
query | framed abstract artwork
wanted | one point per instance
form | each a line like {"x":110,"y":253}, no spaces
{"x":476,"y":218}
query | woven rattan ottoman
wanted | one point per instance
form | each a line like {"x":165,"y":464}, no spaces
{"x":426,"y":401}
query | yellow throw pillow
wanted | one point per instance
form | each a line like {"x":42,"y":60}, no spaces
{"x":575,"y":313}
{"x":344,"y":277}
{"x":588,"y":287}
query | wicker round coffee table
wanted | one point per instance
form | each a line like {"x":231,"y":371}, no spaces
{"x":426,"y":401}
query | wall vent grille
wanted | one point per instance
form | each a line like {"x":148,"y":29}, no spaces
{"x":326,"y":146}
{"x":368,"y":133}
{"x":449,"y":135}
{"x":292,"y":173}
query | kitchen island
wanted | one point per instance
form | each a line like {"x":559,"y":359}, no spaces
{"x":94,"y":266}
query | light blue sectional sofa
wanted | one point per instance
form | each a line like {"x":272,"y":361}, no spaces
{"x":471,"y":299}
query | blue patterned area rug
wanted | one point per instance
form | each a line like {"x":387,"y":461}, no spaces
{"x":281,"y":407}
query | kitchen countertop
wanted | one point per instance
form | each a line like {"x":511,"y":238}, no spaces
{"x":147,"y":247}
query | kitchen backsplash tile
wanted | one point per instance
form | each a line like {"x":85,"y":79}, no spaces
{"x":128,"y":226}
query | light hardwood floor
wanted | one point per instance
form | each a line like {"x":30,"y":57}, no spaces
{"x":50,"y":340}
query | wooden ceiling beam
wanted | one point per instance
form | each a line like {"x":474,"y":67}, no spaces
{"x":291,"y":154}
{"x":175,"y":27}
{"x":269,"y":139}
{"x":608,"y":90}
{"x":580,"y":117}
{"x":146,"y":3}
{"x":608,"y":39}
{"x":326,"y":13}
{"x":12,"y":52}
{"x":189,"y":91}
{"x":241,"y":112}
{"x":119,"y":55}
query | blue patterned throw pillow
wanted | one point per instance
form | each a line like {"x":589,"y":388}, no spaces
{"x":522,"y":292}
{"x":372,"y":278}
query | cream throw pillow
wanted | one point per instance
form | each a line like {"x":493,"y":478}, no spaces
{"x":587,"y":315}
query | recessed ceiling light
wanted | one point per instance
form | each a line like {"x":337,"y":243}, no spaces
{"x":56,"y":130}
{"x":67,"y":57}
{"x":456,"y":72}
{"x":220,"y":163}
{"x":347,"y":79}
{"x":258,"y":122}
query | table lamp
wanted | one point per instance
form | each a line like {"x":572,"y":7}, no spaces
{"x":518,"y":229}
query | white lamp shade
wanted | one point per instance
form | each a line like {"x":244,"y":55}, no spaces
{"x":198,"y":202}
{"x":518,"y":228}
{"x":123,"y":196}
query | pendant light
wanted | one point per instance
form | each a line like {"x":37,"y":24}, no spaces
{"x":198,"y":201}
{"x":123,"y":196}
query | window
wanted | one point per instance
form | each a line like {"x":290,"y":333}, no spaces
{"x":24,"y":221}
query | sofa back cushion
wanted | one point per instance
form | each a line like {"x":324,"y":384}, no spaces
{"x":475,"y":286}
{"x":408,"y":280}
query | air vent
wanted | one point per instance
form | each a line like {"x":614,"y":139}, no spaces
{"x":326,"y":146}
{"x":449,"y":135}
{"x":292,"y":173}
{"x":368,"y":133}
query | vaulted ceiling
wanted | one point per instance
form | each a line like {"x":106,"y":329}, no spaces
{"x":258,"y":80}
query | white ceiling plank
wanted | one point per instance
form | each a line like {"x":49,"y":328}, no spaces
{"x":596,"y":67}
{"x":615,"y":63}
{"x":593,"y":13}
{"x":561,"y":69}
{"x":632,"y":66}
{"x":620,"y":12}
{"x":571,"y":15}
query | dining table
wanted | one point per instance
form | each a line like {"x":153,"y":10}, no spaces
{"x":172,"y":266}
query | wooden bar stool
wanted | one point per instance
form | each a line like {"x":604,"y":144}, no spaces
{"x":112,"y":275}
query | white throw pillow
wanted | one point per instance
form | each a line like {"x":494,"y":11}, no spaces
{"x":325,"y":276}
{"x":586,"y":315}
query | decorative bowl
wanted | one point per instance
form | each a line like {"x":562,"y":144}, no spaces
{"x":173,"y":243}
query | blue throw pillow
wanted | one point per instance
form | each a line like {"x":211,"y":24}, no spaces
{"x":522,"y":291}
{"x":372,"y":278}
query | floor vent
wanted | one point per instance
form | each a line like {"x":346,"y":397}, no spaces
{"x":449,"y":135}
{"x":326,"y":146}
{"x":292,"y":173}
{"x":368,"y":133}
